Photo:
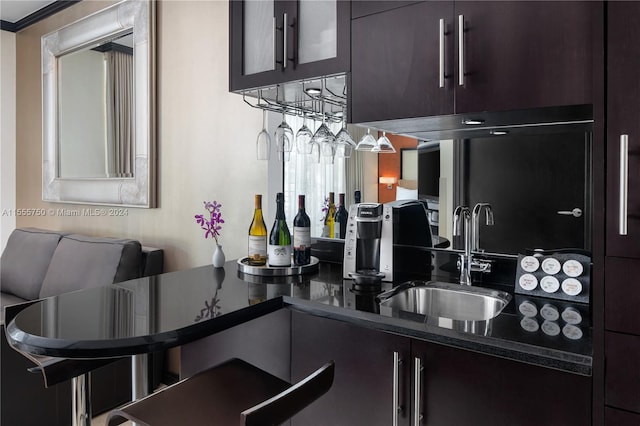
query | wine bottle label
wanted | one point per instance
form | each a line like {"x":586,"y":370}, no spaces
{"x":279,"y":255}
{"x":336,"y":230}
{"x":325,"y":231}
{"x":257,"y":246}
{"x":301,"y":237}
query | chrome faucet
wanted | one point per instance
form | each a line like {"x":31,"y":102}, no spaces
{"x":475,"y":226}
{"x":462,"y":215}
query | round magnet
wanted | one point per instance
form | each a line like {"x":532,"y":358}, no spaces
{"x":549,"y":312}
{"x":549,"y":284}
{"x":530,"y":264}
{"x":550,"y":266}
{"x":572,"y":268}
{"x":572,"y":287}
{"x":528,"y":282}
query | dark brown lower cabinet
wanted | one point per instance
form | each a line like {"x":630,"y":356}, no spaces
{"x":456,"y":387}
{"x":613,"y":417}
{"x":466,"y":388}
{"x":263,"y":342}
{"x":622,"y":379}
{"x":362,"y":391}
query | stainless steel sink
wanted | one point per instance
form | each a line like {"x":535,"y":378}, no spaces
{"x":446,"y":300}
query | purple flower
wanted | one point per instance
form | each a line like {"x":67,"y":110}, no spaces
{"x":211,"y":225}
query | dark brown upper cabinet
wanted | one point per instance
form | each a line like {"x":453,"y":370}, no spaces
{"x":623,"y":130}
{"x":272,"y":42}
{"x":436,"y":58}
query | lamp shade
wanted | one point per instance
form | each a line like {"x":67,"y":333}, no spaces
{"x":387,"y":180}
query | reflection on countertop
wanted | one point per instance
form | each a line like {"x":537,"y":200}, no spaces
{"x":161,"y":307}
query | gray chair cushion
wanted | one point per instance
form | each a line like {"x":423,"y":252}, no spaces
{"x":84,"y":262}
{"x":7,"y":299}
{"x":25,"y":261}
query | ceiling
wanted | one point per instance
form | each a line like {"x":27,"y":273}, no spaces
{"x":15,"y":10}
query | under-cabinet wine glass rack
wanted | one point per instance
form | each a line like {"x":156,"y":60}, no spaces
{"x":311,"y":98}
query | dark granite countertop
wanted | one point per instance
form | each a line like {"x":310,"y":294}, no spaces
{"x":167,"y":310}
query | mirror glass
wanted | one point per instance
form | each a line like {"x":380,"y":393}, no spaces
{"x":538,"y":186}
{"x":95,"y":111}
{"x":98,"y":79}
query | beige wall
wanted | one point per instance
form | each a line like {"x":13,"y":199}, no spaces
{"x":7,"y":135}
{"x":206,"y":137}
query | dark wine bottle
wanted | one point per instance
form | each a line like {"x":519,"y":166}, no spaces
{"x":279,"y":249}
{"x":357,"y":196}
{"x":301,"y":235}
{"x":340,"y":221}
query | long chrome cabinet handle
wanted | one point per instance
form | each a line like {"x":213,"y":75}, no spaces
{"x":624,"y":181}
{"x":441,"y":55}
{"x":461,"y":50}
{"x":417,"y":395}
{"x":275,"y":43}
{"x":284,"y":38}
{"x":397,"y":362}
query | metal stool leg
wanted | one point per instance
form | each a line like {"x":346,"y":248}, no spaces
{"x":81,"y":400}
{"x":139,"y":376}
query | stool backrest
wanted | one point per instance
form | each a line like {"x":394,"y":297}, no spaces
{"x":288,"y":403}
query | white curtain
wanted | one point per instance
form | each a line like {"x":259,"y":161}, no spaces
{"x":120,"y":150}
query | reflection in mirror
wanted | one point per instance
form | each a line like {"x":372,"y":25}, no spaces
{"x":95,"y":111}
{"x":99,"y":108}
{"x":530,"y":180}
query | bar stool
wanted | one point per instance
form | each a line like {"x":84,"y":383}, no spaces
{"x":232,"y":393}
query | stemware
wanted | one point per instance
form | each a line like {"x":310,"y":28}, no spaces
{"x":284,"y":137}
{"x":314,"y":155}
{"x":325,"y":139}
{"x":263,"y":143}
{"x":367,"y":143}
{"x":303,"y":138}
{"x":383,"y":145}
{"x":344,"y":142}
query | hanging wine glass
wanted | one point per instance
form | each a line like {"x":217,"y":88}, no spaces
{"x":344,"y":141}
{"x":314,"y":155}
{"x":303,"y":138}
{"x":383,"y":145}
{"x":367,"y":143}
{"x":263,"y":143}
{"x":323,"y":134}
{"x":283,"y":136}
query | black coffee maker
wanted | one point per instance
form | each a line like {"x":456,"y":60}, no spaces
{"x":384,"y":242}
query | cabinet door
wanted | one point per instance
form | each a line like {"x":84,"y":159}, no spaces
{"x":362,"y":391}
{"x":622,"y":381}
{"x":613,"y":417}
{"x":623,"y":108}
{"x":622,"y":295}
{"x":395,"y":63}
{"x":520,"y":55}
{"x":467,"y":388}
{"x":285,"y":40}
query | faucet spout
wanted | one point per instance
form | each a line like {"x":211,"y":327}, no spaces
{"x":462,"y":217}
{"x":475,"y":227}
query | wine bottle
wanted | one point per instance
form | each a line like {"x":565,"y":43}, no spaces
{"x":329,"y":219}
{"x":301,"y":235}
{"x":257,"y":236}
{"x":279,"y":249}
{"x":341,"y":219}
{"x":357,"y":196}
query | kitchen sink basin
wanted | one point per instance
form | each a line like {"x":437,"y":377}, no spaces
{"x":446,"y":300}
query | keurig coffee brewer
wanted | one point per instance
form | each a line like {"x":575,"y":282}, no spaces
{"x":384,"y":242}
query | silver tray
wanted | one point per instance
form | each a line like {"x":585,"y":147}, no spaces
{"x":277,"y":271}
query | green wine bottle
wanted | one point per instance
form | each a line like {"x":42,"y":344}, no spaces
{"x":279,"y":249}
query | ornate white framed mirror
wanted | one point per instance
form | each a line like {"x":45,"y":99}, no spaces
{"x":98,"y":106}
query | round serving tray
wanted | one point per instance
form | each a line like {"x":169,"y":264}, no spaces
{"x":275,"y":271}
